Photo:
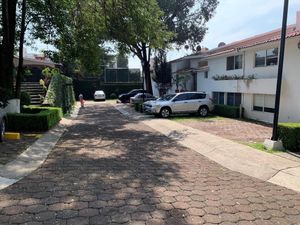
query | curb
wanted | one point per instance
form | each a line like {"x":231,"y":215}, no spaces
{"x":33,"y":157}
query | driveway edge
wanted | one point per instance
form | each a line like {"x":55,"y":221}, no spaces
{"x":34,"y":156}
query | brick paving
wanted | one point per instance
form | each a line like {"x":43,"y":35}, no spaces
{"x":109,"y":170}
{"x":11,"y":149}
{"x":233,"y":129}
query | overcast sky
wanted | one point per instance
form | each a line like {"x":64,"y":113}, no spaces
{"x":238,"y":19}
{"x":235,"y":20}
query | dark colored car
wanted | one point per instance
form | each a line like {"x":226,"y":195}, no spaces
{"x":126,"y":97}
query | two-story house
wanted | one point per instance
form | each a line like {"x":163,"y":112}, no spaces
{"x":245,"y":73}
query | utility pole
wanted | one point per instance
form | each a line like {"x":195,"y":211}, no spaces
{"x":280,"y":69}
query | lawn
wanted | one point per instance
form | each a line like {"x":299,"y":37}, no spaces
{"x":261,"y":147}
{"x":196,"y":118}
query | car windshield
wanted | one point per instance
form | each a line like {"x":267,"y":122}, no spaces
{"x":166,"y":97}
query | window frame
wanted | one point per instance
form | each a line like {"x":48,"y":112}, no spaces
{"x":234,"y":62}
{"x":266,"y":57}
{"x":234,"y":98}
{"x":263,"y":108}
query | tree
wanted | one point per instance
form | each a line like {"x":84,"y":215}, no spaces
{"x":137,"y":26}
{"x":122,"y":60}
{"x":21,"y":45}
{"x":8,"y":31}
{"x":187,"y":19}
{"x":163,"y":73}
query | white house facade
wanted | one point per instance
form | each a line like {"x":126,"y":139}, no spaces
{"x":244,"y":73}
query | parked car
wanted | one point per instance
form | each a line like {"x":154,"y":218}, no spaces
{"x":99,"y":95}
{"x":180,"y":103}
{"x":126,"y":97}
{"x":3,"y":121}
{"x":142,"y":97}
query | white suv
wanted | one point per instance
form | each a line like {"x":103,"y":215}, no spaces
{"x":181,"y":103}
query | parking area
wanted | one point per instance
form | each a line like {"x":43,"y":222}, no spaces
{"x":233,"y":129}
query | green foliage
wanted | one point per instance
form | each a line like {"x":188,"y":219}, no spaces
{"x":34,"y":119}
{"x":5,"y":95}
{"x":227,"y":111}
{"x":25,"y":98}
{"x":50,"y":72}
{"x":138,"y":107}
{"x":289,"y":133}
{"x":113,"y":96}
{"x":60,"y":92}
{"x":187,"y":19}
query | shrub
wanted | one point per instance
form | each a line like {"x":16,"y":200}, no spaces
{"x":25,"y":98}
{"x":60,"y":92}
{"x":5,"y":95}
{"x":113,"y":96}
{"x":289,"y":133}
{"x":227,"y":111}
{"x":34,"y":119}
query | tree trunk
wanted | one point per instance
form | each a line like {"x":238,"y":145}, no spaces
{"x":8,"y":41}
{"x":20,"y":67}
{"x":146,"y":68}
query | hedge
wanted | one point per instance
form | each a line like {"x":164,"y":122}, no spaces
{"x":34,"y":119}
{"x":289,"y":134}
{"x":60,"y":92}
{"x":227,"y":111}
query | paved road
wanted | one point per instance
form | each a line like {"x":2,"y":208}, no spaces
{"x":109,"y":170}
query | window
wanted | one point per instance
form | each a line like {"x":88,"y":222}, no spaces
{"x":198,"y":96}
{"x":235,"y":62}
{"x":267,"y":57}
{"x":234,"y":99}
{"x":206,"y":74}
{"x":264,"y":103}
{"x":218,"y":98}
{"x":183,"y":97}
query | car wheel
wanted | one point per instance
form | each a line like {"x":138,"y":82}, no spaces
{"x":165,"y":112}
{"x":2,"y":130}
{"x":203,"y":111}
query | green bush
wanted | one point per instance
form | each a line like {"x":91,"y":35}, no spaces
{"x":289,"y":133}
{"x":60,"y":92}
{"x":34,"y":119}
{"x":227,"y":111}
{"x":113,"y":96}
{"x":5,"y":95}
{"x":138,"y":107}
{"x":25,"y":98}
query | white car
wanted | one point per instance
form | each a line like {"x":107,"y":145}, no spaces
{"x":180,"y":103}
{"x":99,"y":95}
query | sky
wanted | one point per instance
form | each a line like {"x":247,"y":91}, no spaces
{"x":238,"y":19}
{"x":233,"y":21}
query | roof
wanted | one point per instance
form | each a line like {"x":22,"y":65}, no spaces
{"x":264,"y":38}
{"x":34,"y":62}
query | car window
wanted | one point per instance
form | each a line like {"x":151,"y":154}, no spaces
{"x":166,"y":97}
{"x":183,"y":97}
{"x":198,"y":96}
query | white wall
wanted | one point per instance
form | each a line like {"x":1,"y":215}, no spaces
{"x":264,"y":84}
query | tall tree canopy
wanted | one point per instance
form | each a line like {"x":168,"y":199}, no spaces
{"x":137,"y":26}
{"x":187,"y":19}
{"x":144,"y":25}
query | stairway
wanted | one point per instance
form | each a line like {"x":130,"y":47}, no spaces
{"x":35,"y":90}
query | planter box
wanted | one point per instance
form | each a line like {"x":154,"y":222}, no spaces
{"x":13,"y":106}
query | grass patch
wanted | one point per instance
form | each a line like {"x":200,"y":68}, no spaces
{"x":196,"y":118}
{"x":261,"y":147}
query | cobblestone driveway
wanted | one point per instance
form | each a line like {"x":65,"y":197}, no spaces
{"x":108,"y":170}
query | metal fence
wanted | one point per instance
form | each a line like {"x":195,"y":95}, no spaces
{"x":122,"y":76}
